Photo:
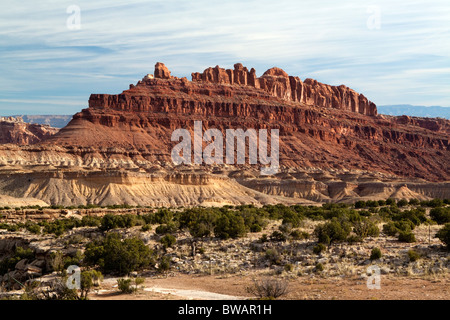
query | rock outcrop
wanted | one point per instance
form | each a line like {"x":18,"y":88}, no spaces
{"x":14,"y":130}
{"x":161,"y":71}
{"x":279,"y":84}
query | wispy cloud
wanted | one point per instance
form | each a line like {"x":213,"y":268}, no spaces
{"x":406,"y":60}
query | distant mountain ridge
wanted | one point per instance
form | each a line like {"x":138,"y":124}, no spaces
{"x":416,"y":111}
{"x":55,"y":121}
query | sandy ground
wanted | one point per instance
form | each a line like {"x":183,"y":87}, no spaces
{"x":188,"y":287}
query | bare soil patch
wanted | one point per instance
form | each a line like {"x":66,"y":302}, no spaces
{"x":301,"y":288}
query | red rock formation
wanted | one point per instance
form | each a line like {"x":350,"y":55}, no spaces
{"x":161,"y":71}
{"x":279,"y":84}
{"x":320,"y":126}
{"x":15,"y":131}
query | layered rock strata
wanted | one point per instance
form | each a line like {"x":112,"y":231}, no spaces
{"x":278,"y":83}
{"x":333,"y":146}
{"x":16,"y":131}
{"x":318,"y":127}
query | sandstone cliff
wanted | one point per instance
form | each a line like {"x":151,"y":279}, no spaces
{"x":279,"y":84}
{"x":14,"y":130}
{"x":334,"y":146}
{"x":318,"y":127}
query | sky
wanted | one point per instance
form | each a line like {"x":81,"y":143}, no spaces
{"x":54,"y":54}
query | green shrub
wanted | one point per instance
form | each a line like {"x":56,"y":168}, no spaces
{"x":390,"y":202}
{"x":120,"y":206}
{"x":12,"y":227}
{"x":360,"y":204}
{"x":164,"y":216}
{"x":372,"y":210}
{"x":385,"y":213}
{"x":164,"y":264}
{"x":404,"y":225}
{"x":372,"y":203}
{"x":264,"y":238}
{"x":394,"y":228}
{"x":436,"y":203}
{"x":200,"y":222}
{"x":116,"y":255}
{"x":402,"y":203}
{"x":108,"y":222}
{"x":91,"y":221}
{"x":278,"y":236}
{"x":33,"y":227}
{"x":319,"y":267}
{"x":440,"y":215}
{"x":75,"y":239}
{"x":318,"y":248}
{"x":356,"y":216}
{"x":366,"y":228}
{"x":129,"y":285}
{"x":89,"y":279}
{"x":57,"y":261}
{"x":354,"y":239}
{"x":229,"y":225}
{"x":166,"y":228}
{"x":254,"y":219}
{"x":432,"y":203}
{"x":124,"y":285}
{"x":201,"y":229}
{"x":148,"y":218}
{"x":22,"y":253}
{"x":137,"y":282}
{"x":279,"y":211}
{"x":333,"y":231}
{"x":75,"y":260}
{"x":285,"y":228}
{"x":288,"y":267}
{"x":415,"y":216}
{"x":299,"y":235}
{"x":146,"y":227}
{"x":406,"y":236}
{"x":314,"y":213}
{"x":324,"y":238}
{"x":168,"y":241}
{"x":413,"y":255}
{"x":291,"y":217}
{"x":255,"y":228}
{"x":272,"y":256}
{"x":112,"y":221}
{"x":375,"y":254}
{"x":444,"y":235}
{"x":60,"y":226}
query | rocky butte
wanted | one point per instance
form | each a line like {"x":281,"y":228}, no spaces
{"x":334,"y":146}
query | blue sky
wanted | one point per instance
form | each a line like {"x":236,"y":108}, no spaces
{"x":394,"y":52}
